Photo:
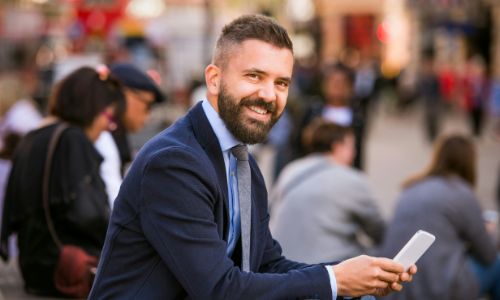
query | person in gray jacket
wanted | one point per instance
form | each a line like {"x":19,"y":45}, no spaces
{"x":463,"y":262}
{"x":321,"y":200}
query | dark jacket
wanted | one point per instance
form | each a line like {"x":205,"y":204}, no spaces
{"x":169,"y":228}
{"x":78,"y":203}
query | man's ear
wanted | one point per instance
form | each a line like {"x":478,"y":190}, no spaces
{"x":335,"y":146}
{"x":212,"y":79}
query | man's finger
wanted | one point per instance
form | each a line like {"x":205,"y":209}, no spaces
{"x":390,"y":265}
{"x":412,"y":270}
{"x":379,"y":284}
{"x":387,"y":276}
{"x":396,"y":286}
{"x":405,"y":277}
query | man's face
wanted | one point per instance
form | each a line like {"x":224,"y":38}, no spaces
{"x":337,"y":89}
{"x":345,"y":150}
{"x":253,"y":89}
{"x":138,"y":106}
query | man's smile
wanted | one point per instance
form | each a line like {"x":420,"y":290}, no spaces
{"x":258,"y":113}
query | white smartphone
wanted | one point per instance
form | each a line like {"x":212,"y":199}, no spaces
{"x":414,"y":248}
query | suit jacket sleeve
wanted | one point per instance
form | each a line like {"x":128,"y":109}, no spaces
{"x":178,"y":192}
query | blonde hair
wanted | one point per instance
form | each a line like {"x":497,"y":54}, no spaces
{"x":11,"y":90}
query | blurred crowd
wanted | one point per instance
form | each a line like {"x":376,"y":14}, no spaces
{"x":319,"y":194}
{"x":316,"y":177}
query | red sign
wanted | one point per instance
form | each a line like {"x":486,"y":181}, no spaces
{"x":359,"y":30}
{"x":98,"y":16}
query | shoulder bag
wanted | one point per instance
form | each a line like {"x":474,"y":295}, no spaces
{"x":75,"y":268}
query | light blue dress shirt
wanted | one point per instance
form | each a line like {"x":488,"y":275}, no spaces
{"x":226,"y":142}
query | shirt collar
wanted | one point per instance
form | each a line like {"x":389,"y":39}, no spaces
{"x":226,"y":139}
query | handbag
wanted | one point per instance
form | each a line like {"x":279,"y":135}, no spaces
{"x":75,"y":269}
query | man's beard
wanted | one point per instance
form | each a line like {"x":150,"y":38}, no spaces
{"x":248,"y":131}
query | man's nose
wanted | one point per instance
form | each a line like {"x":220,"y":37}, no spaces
{"x":267,"y":92}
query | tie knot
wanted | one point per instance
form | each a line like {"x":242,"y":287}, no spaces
{"x":240,"y":152}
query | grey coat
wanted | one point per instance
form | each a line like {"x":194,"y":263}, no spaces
{"x":320,"y":208}
{"x":448,"y":209}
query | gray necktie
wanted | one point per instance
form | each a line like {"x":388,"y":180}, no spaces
{"x":244,"y":197}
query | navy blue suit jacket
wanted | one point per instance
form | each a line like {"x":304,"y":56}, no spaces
{"x":167,"y":237}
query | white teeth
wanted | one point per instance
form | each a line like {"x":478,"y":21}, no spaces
{"x":258,"y":110}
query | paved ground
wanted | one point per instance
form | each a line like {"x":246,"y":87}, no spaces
{"x":396,"y":149}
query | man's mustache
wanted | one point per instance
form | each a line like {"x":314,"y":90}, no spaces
{"x":269,"y":106}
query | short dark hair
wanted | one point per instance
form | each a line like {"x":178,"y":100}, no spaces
{"x":339,"y":68}
{"x":81,"y":96}
{"x":453,"y":155}
{"x":249,"y":27}
{"x":321,"y":134}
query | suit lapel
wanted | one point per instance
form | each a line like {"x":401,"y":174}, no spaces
{"x":208,"y":140}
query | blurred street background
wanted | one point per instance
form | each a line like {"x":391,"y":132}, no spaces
{"x":386,"y":43}
{"x":397,"y":149}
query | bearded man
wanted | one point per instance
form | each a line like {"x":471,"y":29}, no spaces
{"x":191,"y":220}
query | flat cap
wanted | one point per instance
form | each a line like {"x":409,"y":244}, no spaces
{"x":130,"y":76}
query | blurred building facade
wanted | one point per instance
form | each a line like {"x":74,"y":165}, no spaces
{"x":176,"y":37}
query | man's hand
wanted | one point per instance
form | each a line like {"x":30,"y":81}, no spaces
{"x":365,"y":275}
{"x":396,"y":286}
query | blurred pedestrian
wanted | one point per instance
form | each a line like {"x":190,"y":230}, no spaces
{"x":337,"y":108}
{"x":448,"y":82}
{"x":463,"y":262}
{"x":77,"y":202}
{"x":18,"y":112}
{"x":331,"y":199}
{"x":429,"y":91}
{"x":495,"y":107}
{"x":365,"y":89}
{"x":18,"y":115}
{"x":141,"y":92}
{"x":476,"y":93}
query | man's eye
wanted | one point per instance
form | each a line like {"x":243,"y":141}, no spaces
{"x":253,"y":76}
{"x":282,"y":84}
